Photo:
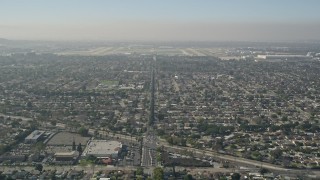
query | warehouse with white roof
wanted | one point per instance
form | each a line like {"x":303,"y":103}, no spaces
{"x":103,"y":149}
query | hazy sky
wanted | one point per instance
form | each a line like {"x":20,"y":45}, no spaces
{"x":164,"y":20}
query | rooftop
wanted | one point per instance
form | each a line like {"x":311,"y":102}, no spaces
{"x":66,"y":154}
{"x":102,"y":148}
{"x":35,"y":135}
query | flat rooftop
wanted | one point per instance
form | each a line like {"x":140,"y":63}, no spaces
{"x":102,"y":148}
{"x":35,"y":135}
{"x":66,"y":138}
{"x":67,"y":154}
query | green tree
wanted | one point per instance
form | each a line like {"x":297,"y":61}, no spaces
{"x":263,"y":170}
{"x":83,"y":131}
{"x":284,"y":118}
{"x":235,"y":176}
{"x":39,"y":167}
{"x":53,"y":123}
{"x":277,"y":153}
{"x":4,"y":148}
{"x":223,"y":178}
{"x":188,"y":177}
{"x":29,"y":105}
{"x":158,"y":173}
{"x":2,"y":176}
{"x":79,"y":148}
{"x":158,"y":157}
{"x":73,"y":145}
{"x":139,"y":171}
{"x":91,"y":158}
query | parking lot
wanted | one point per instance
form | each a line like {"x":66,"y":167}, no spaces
{"x":133,"y":152}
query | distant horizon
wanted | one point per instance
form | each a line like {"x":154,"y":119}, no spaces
{"x":167,"y":20}
{"x":207,"y":33}
{"x":158,"y":41}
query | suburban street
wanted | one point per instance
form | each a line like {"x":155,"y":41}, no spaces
{"x":149,"y":143}
{"x":149,"y":150}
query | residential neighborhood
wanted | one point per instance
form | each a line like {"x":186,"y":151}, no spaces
{"x":75,"y":116}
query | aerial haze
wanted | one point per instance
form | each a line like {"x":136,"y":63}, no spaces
{"x":188,"y":20}
{"x":150,"y":89}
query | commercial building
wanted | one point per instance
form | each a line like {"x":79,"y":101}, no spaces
{"x":34,"y":137}
{"x":66,"y":156}
{"x":103,"y":149}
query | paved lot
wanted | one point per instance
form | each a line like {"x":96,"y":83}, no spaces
{"x":66,"y":138}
